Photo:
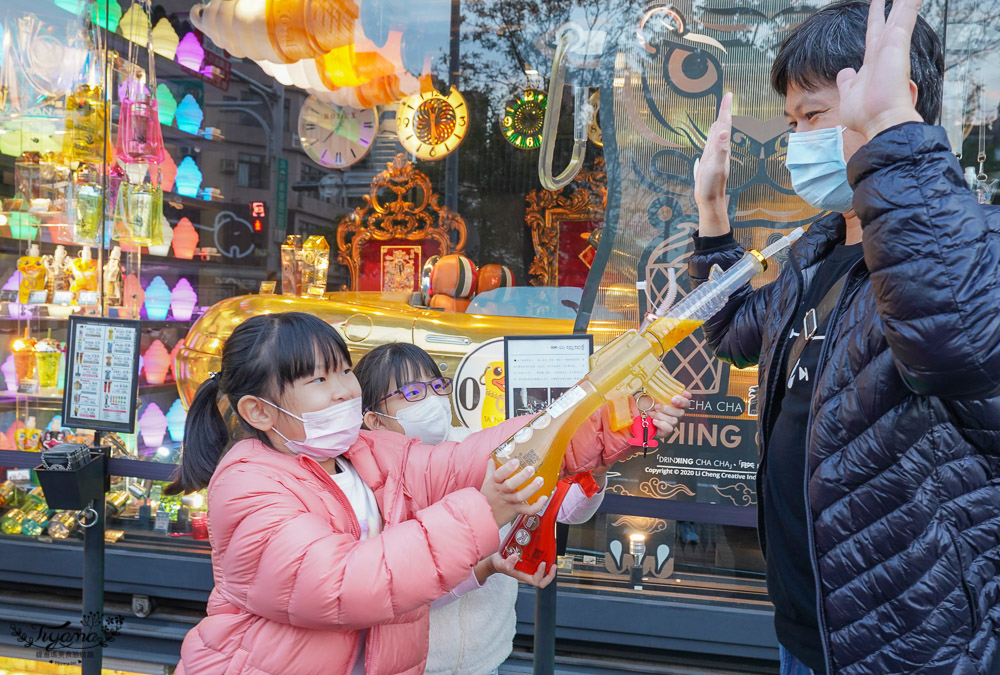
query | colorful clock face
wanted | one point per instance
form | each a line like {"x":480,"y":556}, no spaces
{"x":522,"y":119}
{"x":336,"y":137}
{"x":430,"y":125}
{"x":594,"y":126}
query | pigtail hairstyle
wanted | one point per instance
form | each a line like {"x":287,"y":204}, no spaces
{"x":261,"y":357}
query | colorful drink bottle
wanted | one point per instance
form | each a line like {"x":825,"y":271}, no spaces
{"x":628,"y":365}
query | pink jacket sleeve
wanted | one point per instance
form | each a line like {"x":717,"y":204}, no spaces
{"x":444,"y":468}
{"x":577,"y":507}
{"x":279,"y":561}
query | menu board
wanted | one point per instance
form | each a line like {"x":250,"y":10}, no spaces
{"x":540,"y":369}
{"x":102,"y":374}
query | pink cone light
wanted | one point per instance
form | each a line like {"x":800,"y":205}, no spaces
{"x":156,"y":362}
{"x":185,"y":239}
{"x":190,"y":53}
{"x":182,"y":299}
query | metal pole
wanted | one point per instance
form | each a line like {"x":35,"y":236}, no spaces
{"x":93,"y":587}
{"x":454,"y":75}
{"x":545,"y":629}
{"x":276,"y":236}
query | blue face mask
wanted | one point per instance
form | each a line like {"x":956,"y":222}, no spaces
{"x":815,"y":159}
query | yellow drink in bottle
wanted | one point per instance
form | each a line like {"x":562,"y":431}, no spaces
{"x":629,"y":364}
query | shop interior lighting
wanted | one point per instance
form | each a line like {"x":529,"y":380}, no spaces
{"x":188,"y":179}
{"x":185,"y":239}
{"x":166,"y":104}
{"x":134,"y":24}
{"x":152,"y":425}
{"x":72,"y":6}
{"x":182,"y":300}
{"x":165,"y":39}
{"x":107,"y":14}
{"x":23,"y":225}
{"x":157,"y":301}
{"x":9,"y":374}
{"x":163,"y":249}
{"x":176,"y":417}
{"x":188,"y":115}
{"x":156,"y":361}
{"x":190,"y":53}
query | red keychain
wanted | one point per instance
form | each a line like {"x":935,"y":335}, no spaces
{"x":534,"y":537}
{"x":641,"y":428}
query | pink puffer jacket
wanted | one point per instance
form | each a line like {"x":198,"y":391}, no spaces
{"x":294,"y":585}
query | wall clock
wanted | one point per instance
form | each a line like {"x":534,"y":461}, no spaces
{"x":522,"y":120}
{"x":430,"y":125}
{"x":336,"y":137}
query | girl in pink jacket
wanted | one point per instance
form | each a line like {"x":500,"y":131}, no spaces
{"x":328,"y":545}
{"x":472,"y":627}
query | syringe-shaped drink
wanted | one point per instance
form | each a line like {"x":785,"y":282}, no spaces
{"x":629,"y":364}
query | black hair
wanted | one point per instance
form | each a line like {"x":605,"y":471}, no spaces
{"x":389,"y":366}
{"x":261,"y":357}
{"x":834,"y":38}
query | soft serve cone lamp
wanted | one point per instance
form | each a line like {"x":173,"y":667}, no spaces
{"x":152,"y":426}
{"x":156,"y":363}
{"x":182,"y":300}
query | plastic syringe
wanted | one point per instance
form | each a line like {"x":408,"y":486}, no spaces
{"x":703,"y":302}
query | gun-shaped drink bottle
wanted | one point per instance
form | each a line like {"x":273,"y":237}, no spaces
{"x":628,"y":365}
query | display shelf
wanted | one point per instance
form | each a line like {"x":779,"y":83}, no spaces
{"x":194,"y":202}
{"x":171,"y":133}
{"x":144,"y":388}
{"x":146,"y":323}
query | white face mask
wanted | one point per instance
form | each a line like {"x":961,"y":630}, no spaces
{"x":815,"y":160}
{"x":330,"y":432}
{"x":428,"y":420}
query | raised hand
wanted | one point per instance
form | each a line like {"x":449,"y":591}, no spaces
{"x":711,"y":172}
{"x":881,"y":94}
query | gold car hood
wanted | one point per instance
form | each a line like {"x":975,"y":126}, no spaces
{"x":364,"y":319}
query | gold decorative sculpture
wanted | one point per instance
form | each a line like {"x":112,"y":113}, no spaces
{"x":546,"y":215}
{"x":397,"y":220}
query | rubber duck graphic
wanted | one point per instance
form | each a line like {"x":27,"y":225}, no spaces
{"x":495,"y":402}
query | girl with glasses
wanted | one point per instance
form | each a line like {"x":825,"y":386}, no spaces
{"x":472,"y":627}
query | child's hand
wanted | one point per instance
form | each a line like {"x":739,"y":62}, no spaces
{"x":665,"y":416}
{"x":501,"y":491}
{"x":506,"y":566}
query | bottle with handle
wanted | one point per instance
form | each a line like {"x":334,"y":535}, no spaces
{"x":629,"y":364}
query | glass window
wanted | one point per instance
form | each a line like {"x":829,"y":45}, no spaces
{"x":251,"y":171}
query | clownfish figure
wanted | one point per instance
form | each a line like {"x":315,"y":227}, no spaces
{"x":494,"y":402}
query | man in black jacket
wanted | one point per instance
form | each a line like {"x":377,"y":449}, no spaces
{"x":879,"y":357}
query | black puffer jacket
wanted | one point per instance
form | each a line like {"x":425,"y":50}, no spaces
{"x":904,"y":436}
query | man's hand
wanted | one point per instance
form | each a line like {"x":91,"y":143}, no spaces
{"x":711,"y":172}
{"x":881,"y":95}
{"x":666,"y":416}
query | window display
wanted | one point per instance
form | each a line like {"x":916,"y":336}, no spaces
{"x":460,"y":172}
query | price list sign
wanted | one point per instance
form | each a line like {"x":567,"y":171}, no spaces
{"x":102,"y":374}
{"x":538,"y":369}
